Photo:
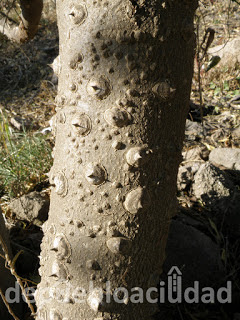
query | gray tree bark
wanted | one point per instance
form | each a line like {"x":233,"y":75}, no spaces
{"x":124,"y":84}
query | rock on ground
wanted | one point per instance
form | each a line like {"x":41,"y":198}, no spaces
{"x":186,"y":175}
{"x":218,"y":192}
{"x":228,"y":52}
{"x":49,"y":10}
{"x":194,"y":253}
{"x":32,"y":207}
{"x":193,"y":130}
{"x":211,"y":185}
{"x":227,"y":157}
{"x":194,"y":154}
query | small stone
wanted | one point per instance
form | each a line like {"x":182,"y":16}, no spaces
{"x":212,"y":186}
{"x":32,"y":207}
{"x":227,"y":157}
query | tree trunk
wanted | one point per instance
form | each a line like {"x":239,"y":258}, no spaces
{"x":30,"y":17}
{"x":124,"y":85}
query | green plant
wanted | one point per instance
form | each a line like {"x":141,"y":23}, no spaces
{"x":24,"y":159}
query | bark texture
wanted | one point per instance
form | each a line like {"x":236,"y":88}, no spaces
{"x":124,"y":85}
{"x":30,"y":17}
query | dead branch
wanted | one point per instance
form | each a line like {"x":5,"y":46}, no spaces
{"x":30,"y":17}
{"x":11,"y":266}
